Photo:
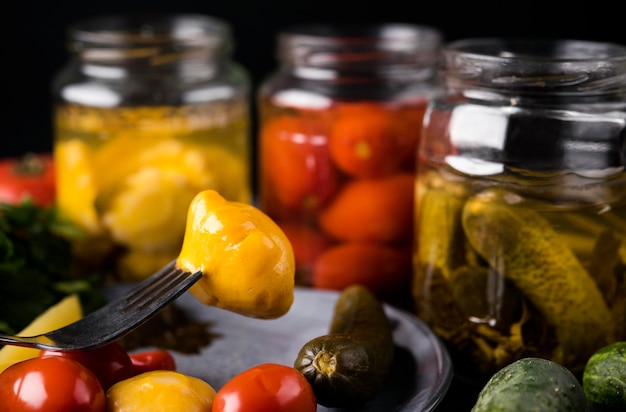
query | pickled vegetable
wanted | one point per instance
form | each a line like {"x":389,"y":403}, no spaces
{"x":439,"y":243}
{"x":350,"y":365}
{"x":247,"y":261}
{"x":521,"y":245}
{"x":127,"y":175}
{"x":501,"y":275}
{"x":345,"y":172}
{"x":160,"y":390}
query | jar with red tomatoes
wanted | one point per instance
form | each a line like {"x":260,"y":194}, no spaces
{"x":339,"y":124}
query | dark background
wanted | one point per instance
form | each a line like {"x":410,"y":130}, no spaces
{"x":33,"y":37}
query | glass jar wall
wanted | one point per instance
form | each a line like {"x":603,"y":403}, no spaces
{"x":339,"y":123}
{"x":521,"y":203}
{"x":149,"y":111}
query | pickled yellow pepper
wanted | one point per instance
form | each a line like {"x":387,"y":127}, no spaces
{"x":520,"y":244}
{"x":247,"y":260}
{"x":160,"y":390}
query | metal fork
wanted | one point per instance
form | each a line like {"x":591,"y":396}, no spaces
{"x":116,"y":318}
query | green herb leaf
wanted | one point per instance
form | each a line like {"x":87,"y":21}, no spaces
{"x":36,"y":265}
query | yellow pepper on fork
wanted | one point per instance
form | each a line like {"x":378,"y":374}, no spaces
{"x":247,"y":260}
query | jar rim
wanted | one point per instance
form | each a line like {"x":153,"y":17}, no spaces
{"x":535,"y":66}
{"x":139,"y":36}
{"x":392,"y":35}
{"x":389,"y":49}
{"x":502,"y":49}
{"x":149,"y":28}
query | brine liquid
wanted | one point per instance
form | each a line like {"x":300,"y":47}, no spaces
{"x":126,"y":175}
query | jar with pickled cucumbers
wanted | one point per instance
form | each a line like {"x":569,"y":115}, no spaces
{"x":149,"y":111}
{"x":521,"y":203}
{"x":339,"y":123}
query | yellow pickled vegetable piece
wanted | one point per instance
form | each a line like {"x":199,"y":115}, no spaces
{"x":231,"y":174}
{"x":139,"y":151}
{"x":63,"y":313}
{"x":204,"y":166}
{"x":521,"y":245}
{"x":160,"y":391}
{"x":77,"y":186}
{"x":148,"y":210}
{"x":247,"y":260}
{"x":119,"y":155}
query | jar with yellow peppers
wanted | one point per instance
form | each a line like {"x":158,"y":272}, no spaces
{"x":521,"y":203}
{"x":339,"y":123}
{"x":149,"y":111}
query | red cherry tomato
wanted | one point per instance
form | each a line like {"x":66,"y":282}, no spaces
{"x":50,"y":384}
{"x":110,"y":363}
{"x":266,"y":388}
{"x":369,"y":140}
{"x":152,"y":360}
{"x":297,"y":167}
{"x":30,"y":177}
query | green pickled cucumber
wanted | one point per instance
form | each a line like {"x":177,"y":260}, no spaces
{"x":351,"y":364}
{"x":522,"y":245}
{"x":580,"y":231}
{"x":440,"y":232}
{"x":474,"y":290}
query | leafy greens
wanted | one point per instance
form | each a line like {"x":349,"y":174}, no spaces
{"x":36,"y":268}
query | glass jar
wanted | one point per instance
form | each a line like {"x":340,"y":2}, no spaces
{"x":339,"y":123}
{"x":150,"y":110}
{"x":521,"y":203}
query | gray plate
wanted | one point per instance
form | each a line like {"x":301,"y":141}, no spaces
{"x":422,"y":369}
